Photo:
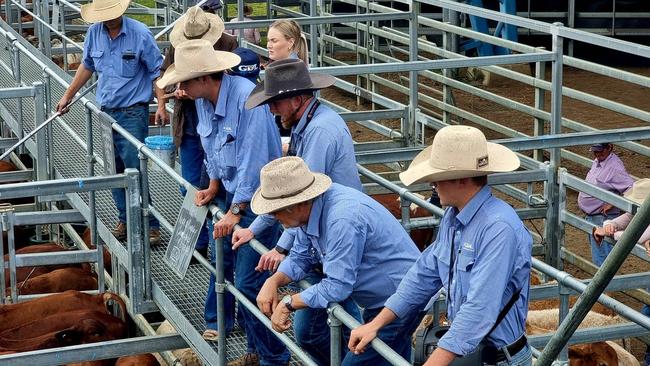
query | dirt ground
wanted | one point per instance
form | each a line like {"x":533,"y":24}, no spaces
{"x":591,"y":115}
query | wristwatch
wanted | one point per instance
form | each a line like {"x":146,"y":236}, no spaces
{"x":286,"y":300}
{"x":281,"y":250}
{"x":235,"y":209}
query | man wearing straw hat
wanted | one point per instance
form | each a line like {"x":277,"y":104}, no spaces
{"x":127,"y":60}
{"x":483,"y":250}
{"x":195,"y":24}
{"x":322,"y":139}
{"x":363,"y":250}
{"x":237,"y":143}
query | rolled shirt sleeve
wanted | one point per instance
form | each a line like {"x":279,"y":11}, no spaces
{"x":151,"y":57}
{"x":417,"y":286}
{"x":299,"y":261}
{"x":341,"y":265}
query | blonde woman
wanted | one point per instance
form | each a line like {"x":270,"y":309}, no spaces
{"x":285,"y":40}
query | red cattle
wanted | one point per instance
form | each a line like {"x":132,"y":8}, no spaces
{"x":107,"y":255}
{"x":592,"y":354}
{"x":59,"y":280}
{"x":110,"y":362}
{"x":6,"y":166}
{"x":421,"y":237}
{"x":14,"y":315}
{"x":58,"y":330}
{"x":146,"y":359}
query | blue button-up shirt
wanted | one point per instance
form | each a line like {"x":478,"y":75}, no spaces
{"x":364,"y":250}
{"x":325,"y":144}
{"x":126,"y":65}
{"x":492,"y":261}
{"x":238,"y":142}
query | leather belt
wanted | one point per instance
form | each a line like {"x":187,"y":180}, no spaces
{"x":123,"y":109}
{"x":498,"y":355}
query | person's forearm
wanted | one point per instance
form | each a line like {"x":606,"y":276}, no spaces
{"x":160,"y":96}
{"x":81,"y":77}
{"x":385,"y":317}
{"x":280,"y":279}
{"x":440,"y":357}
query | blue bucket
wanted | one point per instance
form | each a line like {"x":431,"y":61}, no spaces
{"x":163,"y":147}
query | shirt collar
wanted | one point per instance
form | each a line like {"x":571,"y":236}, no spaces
{"x":604,"y":162}
{"x":472,"y":207}
{"x":222,"y":99}
{"x":303,"y":120}
{"x":123,"y":29}
{"x":313,"y":225}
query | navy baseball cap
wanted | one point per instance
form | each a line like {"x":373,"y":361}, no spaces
{"x":249,"y":67}
{"x":212,"y":5}
{"x":599,"y":147}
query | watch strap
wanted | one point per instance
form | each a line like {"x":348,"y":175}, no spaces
{"x":281,"y":250}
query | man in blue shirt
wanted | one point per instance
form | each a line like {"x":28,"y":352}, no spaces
{"x":237,"y":143}
{"x":127,"y":60}
{"x":362,"y":249}
{"x":482,"y":254}
{"x":322,"y":139}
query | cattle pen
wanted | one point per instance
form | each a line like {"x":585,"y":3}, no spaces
{"x":399,"y":70}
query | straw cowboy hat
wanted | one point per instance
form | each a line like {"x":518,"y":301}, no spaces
{"x":285,"y":182}
{"x":103,"y":10}
{"x":196,"y":58}
{"x":459,"y":152}
{"x":639,"y":191}
{"x":197,"y":24}
{"x":285,"y":78}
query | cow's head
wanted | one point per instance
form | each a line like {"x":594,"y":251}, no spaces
{"x":592,"y":354}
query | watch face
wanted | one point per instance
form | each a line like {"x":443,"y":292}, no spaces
{"x":235,"y":209}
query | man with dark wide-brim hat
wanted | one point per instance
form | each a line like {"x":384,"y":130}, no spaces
{"x":322,"y":139}
{"x":481,"y":256}
{"x":126,"y":58}
{"x":238,"y":142}
{"x":362,"y":250}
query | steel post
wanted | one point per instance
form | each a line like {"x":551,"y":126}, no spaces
{"x":11,"y":248}
{"x":313,"y":34}
{"x":564,"y":293}
{"x":220,"y":289}
{"x":409,"y":130}
{"x":335,"y":338}
{"x":90,"y":160}
{"x":540,"y":72}
{"x":18,"y":78}
{"x":144,"y":191}
{"x":135,"y":243}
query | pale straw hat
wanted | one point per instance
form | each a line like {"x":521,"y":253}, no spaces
{"x":197,"y":24}
{"x":103,"y":10}
{"x":639,"y":191}
{"x":285,"y":182}
{"x":459,"y":152}
{"x":196,"y":58}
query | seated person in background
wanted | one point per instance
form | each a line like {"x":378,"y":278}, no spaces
{"x":614,"y":228}
{"x":251,"y":35}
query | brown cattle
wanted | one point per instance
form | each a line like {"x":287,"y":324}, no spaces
{"x":110,"y":362}
{"x":24,"y":273}
{"x":59,"y":280}
{"x":105,"y":326}
{"x":6,"y":166}
{"x":421,"y":237}
{"x":107,"y":255}
{"x":146,"y":359}
{"x":14,"y":315}
{"x":72,"y":328}
{"x":592,"y":354}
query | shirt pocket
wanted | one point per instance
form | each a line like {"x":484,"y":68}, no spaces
{"x":129,"y":64}
{"x":229,"y":156}
{"x":464,"y":266}
{"x":97,"y":56}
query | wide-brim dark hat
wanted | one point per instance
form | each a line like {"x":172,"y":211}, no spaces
{"x":285,"y":78}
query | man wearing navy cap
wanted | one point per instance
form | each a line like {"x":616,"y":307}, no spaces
{"x":607,"y":172}
{"x":249,"y":67}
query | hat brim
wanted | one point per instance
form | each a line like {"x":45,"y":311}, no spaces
{"x":90,"y":13}
{"x":177,"y":34}
{"x":223,"y":61}
{"x":259,"y":97}
{"x":634,"y":195}
{"x":262,"y":206}
{"x":500,"y":157}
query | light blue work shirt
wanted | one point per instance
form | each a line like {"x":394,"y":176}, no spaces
{"x":493,"y":259}
{"x":237,"y":141}
{"x":364,"y":250}
{"x":126,"y":66}
{"x":325,"y":144}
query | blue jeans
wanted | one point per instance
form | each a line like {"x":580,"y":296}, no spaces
{"x":521,"y":358}
{"x":311,"y":330}
{"x":270,"y":349}
{"x":193,"y":171}
{"x":599,"y":251}
{"x":397,"y":335}
{"x":135,"y":120}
